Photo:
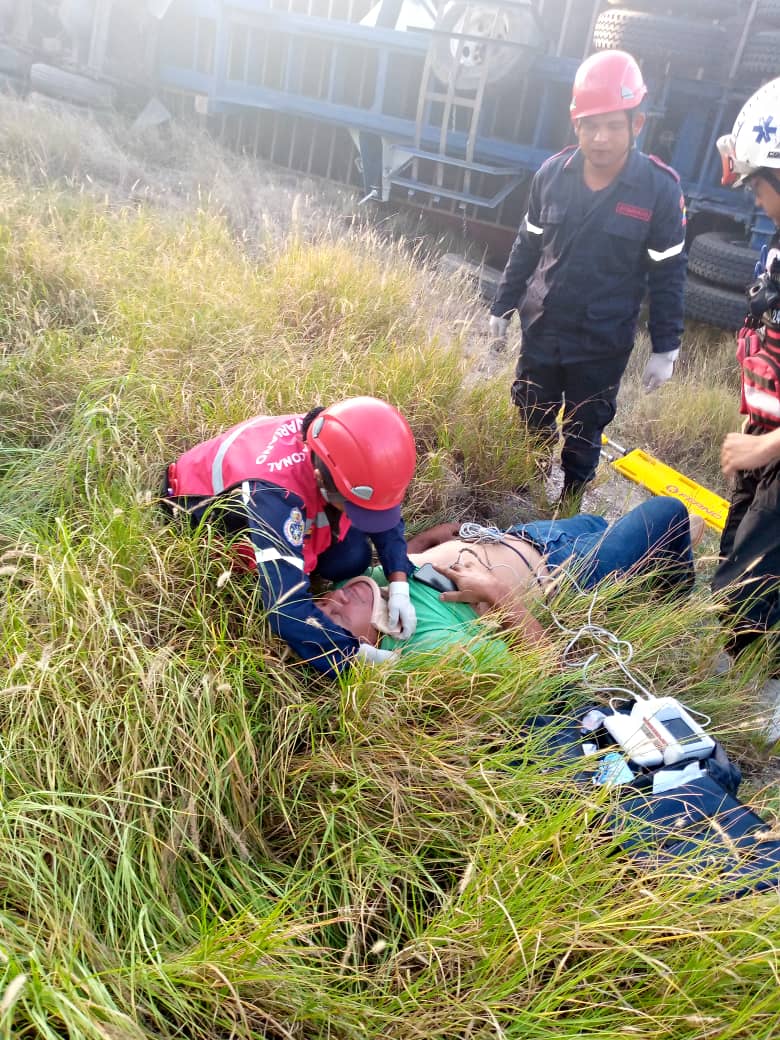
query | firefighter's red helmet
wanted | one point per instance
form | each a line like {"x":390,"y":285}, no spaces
{"x":609,"y":81}
{"x":368,"y":448}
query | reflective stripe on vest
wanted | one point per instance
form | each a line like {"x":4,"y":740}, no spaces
{"x":217,"y":477}
{"x":760,"y":361}
{"x":268,"y":450}
{"x":761,"y":404}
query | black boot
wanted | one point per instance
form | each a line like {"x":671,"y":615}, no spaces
{"x":571,"y":497}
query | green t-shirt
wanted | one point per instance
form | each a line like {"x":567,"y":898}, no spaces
{"x":446,"y":627}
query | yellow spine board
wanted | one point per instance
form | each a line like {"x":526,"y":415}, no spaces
{"x":661,"y":479}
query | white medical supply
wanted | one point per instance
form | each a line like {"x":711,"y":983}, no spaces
{"x":628,"y":733}
{"x":669,"y":779}
{"x":592,"y":720}
{"x":659,"y":730}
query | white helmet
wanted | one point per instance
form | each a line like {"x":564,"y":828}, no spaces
{"x":754,"y":143}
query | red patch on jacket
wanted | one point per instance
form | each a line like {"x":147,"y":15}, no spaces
{"x":625,"y":209}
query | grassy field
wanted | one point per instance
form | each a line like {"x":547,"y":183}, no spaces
{"x":200,"y":839}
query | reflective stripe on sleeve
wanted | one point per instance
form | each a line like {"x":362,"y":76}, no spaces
{"x":269,"y":555}
{"x":532,"y":227}
{"x":666,"y":253}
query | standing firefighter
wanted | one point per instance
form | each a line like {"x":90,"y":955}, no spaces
{"x":749,"y":569}
{"x":307,"y":490}
{"x":605,"y":222}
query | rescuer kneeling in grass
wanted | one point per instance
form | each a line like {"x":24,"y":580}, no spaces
{"x":307,"y":490}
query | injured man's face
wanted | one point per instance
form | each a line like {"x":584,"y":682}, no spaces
{"x":360,"y":607}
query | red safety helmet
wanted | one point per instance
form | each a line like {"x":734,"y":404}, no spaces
{"x":368,"y":448}
{"x":609,"y":81}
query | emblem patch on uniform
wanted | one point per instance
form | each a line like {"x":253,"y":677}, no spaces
{"x":294,"y":528}
{"x":625,"y":209}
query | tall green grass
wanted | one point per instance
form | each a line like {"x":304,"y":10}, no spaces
{"x":200,"y":838}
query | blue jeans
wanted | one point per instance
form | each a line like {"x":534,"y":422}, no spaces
{"x":654,"y":536}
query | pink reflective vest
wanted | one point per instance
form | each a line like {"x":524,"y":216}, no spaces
{"x":265,"y":448}
{"x":760,"y":362}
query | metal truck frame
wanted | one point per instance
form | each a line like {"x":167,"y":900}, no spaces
{"x":448,"y":105}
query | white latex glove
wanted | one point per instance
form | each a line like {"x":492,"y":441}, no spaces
{"x":373,"y":654}
{"x":400,"y":612}
{"x":498,"y":327}
{"x":659,"y":369}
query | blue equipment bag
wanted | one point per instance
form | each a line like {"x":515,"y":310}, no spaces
{"x":699,"y":824}
{"x":706,"y":827}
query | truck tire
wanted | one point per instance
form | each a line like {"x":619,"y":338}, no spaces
{"x":517,"y":24}
{"x":714,"y":305}
{"x":14,"y":63}
{"x":68,"y":86}
{"x":761,"y":56}
{"x":712,"y":10}
{"x":680,"y":42}
{"x":724,"y":258}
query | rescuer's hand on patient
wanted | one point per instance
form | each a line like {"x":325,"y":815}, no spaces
{"x":659,"y":369}
{"x":374,"y":655}
{"x":498,"y":327}
{"x":400,"y":611}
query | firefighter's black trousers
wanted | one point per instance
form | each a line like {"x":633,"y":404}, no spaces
{"x":587,"y":389}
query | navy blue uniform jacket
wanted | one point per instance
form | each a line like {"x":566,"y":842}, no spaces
{"x":582,"y":261}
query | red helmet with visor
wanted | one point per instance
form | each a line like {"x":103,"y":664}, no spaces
{"x":610,"y":81}
{"x":368,"y":448}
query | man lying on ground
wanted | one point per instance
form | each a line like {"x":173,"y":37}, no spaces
{"x":505,"y":571}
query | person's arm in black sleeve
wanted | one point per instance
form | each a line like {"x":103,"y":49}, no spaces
{"x":666,"y":266}
{"x":285,"y":589}
{"x":522,"y":260}
{"x":392,"y":552}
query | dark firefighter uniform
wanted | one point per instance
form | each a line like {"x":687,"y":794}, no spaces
{"x":257,"y":479}
{"x":749,"y":570}
{"x":577,"y":274}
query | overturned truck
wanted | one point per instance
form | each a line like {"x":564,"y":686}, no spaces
{"x":446,"y":105}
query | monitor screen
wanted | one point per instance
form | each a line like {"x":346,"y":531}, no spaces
{"x":680,"y":730}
